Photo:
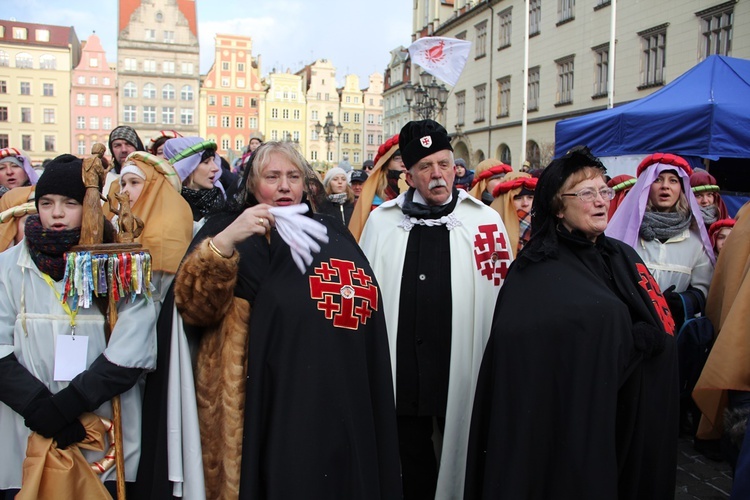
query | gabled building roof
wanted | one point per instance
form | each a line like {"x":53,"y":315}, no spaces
{"x":187,"y":7}
{"x":59,"y":36}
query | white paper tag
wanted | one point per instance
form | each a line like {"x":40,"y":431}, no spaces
{"x":70,"y":356}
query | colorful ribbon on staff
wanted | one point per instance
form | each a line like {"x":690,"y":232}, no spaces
{"x":124,"y":275}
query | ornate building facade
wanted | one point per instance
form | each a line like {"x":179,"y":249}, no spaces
{"x":285,"y":109}
{"x":232,"y":96}
{"x":158,"y":66}
{"x":372,"y":98}
{"x":93,"y":98}
{"x":35,"y":68}
{"x":322,"y":99}
{"x":397,"y":75}
{"x":569,"y":56}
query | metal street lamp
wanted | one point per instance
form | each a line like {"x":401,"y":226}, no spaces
{"x":429,"y":97}
{"x":329,"y":128}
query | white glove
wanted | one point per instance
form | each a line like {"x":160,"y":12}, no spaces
{"x":299,"y":232}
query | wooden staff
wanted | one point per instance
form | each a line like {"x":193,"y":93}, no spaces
{"x":114,"y":248}
{"x":116,"y":408}
{"x":92,"y":234}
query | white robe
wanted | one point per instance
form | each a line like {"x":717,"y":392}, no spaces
{"x":384,"y":241}
{"x":31,"y":317}
{"x":184,"y":455}
{"x":681,"y":261}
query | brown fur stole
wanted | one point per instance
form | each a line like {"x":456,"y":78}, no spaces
{"x":204,"y":296}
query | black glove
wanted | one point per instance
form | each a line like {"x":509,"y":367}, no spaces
{"x":674,"y":301}
{"x":42,"y":416}
{"x":48,"y":415}
{"x":71,"y":433}
{"x":648,"y":339}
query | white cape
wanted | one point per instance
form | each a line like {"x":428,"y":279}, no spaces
{"x":476,"y":276}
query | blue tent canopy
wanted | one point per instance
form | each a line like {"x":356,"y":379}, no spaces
{"x":705,"y":112}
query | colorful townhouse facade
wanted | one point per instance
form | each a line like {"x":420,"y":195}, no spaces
{"x":35,"y":70}
{"x":232,"y":96}
{"x":93,"y":98}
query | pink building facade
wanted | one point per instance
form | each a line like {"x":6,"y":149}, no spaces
{"x":233,"y":95}
{"x":93,"y":99}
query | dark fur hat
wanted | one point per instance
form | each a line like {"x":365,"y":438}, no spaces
{"x":418,"y":139}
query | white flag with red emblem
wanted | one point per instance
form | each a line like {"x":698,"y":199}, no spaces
{"x":442,"y":57}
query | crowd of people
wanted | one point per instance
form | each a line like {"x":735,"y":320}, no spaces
{"x":414,"y":329}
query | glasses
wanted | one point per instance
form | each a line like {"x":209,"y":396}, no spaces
{"x":588,"y":195}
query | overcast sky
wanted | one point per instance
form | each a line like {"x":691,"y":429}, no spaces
{"x":356,"y":36}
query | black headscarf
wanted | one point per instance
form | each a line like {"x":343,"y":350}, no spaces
{"x":543,"y":243}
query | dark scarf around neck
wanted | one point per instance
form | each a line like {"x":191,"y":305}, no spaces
{"x":421,"y":211}
{"x":204,"y":202}
{"x":47,"y":247}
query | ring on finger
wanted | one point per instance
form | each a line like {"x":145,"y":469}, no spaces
{"x":261,"y":221}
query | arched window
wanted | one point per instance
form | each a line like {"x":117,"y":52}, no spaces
{"x":4,"y":58}
{"x":478,"y":157}
{"x":130,"y":90}
{"x":47,"y":61}
{"x":149,"y":91}
{"x":167,"y":91}
{"x":186,"y":94}
{"x":533,"y":154}
{"x":24,"y":60}
{"x":504,"y":154}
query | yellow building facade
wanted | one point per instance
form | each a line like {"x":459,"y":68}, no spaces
{"x":35,"y":67}
{"x":285,"y":109}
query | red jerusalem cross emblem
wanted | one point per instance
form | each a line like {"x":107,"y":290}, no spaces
{"x":426,"y":141}
{"x":649,"y":284}
{"x":344,"y":293}
{"x":491,"y":254}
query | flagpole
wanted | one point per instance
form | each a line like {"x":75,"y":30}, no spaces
{"x":611,"y":57}
{"x":525,"y":93}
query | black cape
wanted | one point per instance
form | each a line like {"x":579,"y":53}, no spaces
{"x":342,"y":213}
{"x":320,"y":418}
{"x":573,"y":401}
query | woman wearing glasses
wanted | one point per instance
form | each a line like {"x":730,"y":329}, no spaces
{"x":580,"y":393}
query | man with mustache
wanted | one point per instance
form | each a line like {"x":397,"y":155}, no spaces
{"x":440,"y":257}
